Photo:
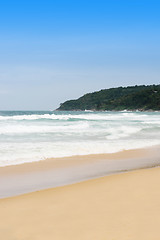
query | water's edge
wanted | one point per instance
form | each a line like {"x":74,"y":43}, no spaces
{"x":30,"y":177}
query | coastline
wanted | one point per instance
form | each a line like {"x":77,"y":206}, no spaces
{"x":35,"y":176}
{"x":123,"y":206}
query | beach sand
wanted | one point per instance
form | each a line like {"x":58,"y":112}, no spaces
{"x":124,"y":206}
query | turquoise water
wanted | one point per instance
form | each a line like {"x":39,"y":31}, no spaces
{"x":27,"y":136}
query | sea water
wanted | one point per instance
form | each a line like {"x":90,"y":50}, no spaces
{"x":27,"y":136}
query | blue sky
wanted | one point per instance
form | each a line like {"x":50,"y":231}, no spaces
{"x":52,"y":51}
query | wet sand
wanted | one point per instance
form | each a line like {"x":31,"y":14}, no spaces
{"x":30,"y":177}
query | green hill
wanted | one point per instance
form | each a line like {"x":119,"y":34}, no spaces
{"x":130,"y":98}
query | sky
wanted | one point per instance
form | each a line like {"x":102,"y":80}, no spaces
{"x":53,"y":51}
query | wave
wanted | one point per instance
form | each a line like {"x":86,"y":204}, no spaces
{"x":87,"y":116}
{"x":82,"y":132}
{"x":16,"y":129}
{"x":31,"y":137}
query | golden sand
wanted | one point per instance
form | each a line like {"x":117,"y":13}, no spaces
{"x":118,"y":207}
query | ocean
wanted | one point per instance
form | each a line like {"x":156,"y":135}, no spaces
{"x":27,"y":136}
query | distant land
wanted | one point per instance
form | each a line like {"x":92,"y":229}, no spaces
{"x":142,"y":98}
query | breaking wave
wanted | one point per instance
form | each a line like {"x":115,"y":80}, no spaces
{"x":32,"y":136}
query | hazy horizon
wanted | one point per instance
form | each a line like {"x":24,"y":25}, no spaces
{"x":53,"y":51}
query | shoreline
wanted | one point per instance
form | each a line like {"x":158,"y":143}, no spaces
{"x":123,"y":206}
{"x":74,"y":159}
{"x":35,"y":176}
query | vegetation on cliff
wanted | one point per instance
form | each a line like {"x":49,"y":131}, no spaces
{"x":130,"y":98}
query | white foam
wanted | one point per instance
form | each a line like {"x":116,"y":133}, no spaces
{"x":21,"y":128}
{"x":40,"y":151}
{"x":35,"y":137}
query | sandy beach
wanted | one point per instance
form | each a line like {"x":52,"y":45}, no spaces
{"x":79,"y":120}
{"x":118,"y":207}
{"x":83,"y":197}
